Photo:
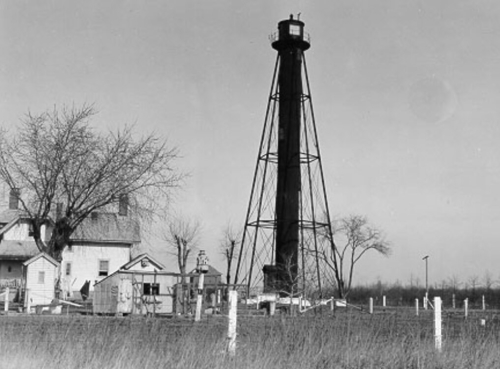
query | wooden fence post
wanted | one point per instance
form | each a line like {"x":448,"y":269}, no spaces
{"x":437,"y":323}
{"x":332,"y":304}
{"x":231,"y":330}
{"x":453,"y":305}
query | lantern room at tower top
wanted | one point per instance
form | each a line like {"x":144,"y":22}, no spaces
{"x":290,"y":34}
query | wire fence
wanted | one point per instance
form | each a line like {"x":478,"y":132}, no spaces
{"x":251,"y":328}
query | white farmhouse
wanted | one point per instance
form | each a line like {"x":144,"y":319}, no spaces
{"x":98,"y":247}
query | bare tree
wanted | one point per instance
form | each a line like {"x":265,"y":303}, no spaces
{"x":355,"y":237}
{"x":473,"y":282}
{"x":488,"y":281}
{"x":454,"y":282}
{"x":228,"y":247}
{"x":183,"y":237}
{"x":56,"y":159}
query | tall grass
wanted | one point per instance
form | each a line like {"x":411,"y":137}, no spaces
{"x":346,"y":340}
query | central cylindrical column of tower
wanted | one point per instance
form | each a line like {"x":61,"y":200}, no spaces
{"x":290,"y":43}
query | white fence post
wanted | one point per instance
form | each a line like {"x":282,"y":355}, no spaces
{"x":28,"y":301}
{"x":453,"y":305}
{"x":199,"y":297}
{"x":383,"y":301}
{"x":272,"y":308}
{"x":466,"y":307}
{"x":6,"y":306}
{"x":370,"y":305}
{"x":426,"y":300}
{"x":332,"y":304}
{"x":484,"y":303}
{"x":231,"y":329}
{"x":437,"y":323}
{"x":416,"y":307}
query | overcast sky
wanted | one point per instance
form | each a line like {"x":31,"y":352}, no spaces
{"x":406,"y":97}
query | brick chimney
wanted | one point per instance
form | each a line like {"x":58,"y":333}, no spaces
{"x":123,"y":205}
{"x":14,"y":198}
{"x":59,"y":210}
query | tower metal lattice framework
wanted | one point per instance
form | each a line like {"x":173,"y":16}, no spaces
{"x":287,"y":240}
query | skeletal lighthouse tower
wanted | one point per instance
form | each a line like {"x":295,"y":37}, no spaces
{"x":287,"y":240}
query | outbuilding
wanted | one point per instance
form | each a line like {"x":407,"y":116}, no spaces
{"x":138,"y":287}
{"x":40,"y":274}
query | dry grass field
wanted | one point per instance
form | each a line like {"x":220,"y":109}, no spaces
{"x":393,"y":338}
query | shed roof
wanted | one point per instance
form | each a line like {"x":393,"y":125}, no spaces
{"x":17,"y":250}
{"x":39,"y":256}
{"x":108,"y":227}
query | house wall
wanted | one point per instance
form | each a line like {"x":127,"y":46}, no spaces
{"x":85,"y":259}
{"x":41,"y":293}
{"x":16,"y":270}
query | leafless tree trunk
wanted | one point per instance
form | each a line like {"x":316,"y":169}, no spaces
{"x":183,"y":237}
{"x":228,"y":247}
{"x":355,"y":237}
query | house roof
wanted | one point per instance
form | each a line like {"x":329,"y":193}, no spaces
{"x":108,"y":227}
{"x":139,"y":258}
{"x":39,"y":256}
{"x":17,"y":250}
{"x":9,"y":215}
{"x":211,"y":272}
{"x":105,"y":228}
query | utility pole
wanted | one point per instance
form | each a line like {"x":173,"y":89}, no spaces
{"x":426,"y":258}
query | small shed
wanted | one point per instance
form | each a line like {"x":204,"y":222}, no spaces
{"x":136,"y":292}
{"x":40,"y":274}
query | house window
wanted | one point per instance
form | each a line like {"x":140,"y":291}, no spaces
{"x":9,"y":269}
{"x":151,"y":289}
{"x":68,"y":269}
{"x":103,"y":268}
{"x":41,"y":277}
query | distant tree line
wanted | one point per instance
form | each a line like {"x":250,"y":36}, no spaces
{"x":400,"y":295}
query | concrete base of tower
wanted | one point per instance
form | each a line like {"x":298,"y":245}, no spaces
{"x":277,"y":280}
